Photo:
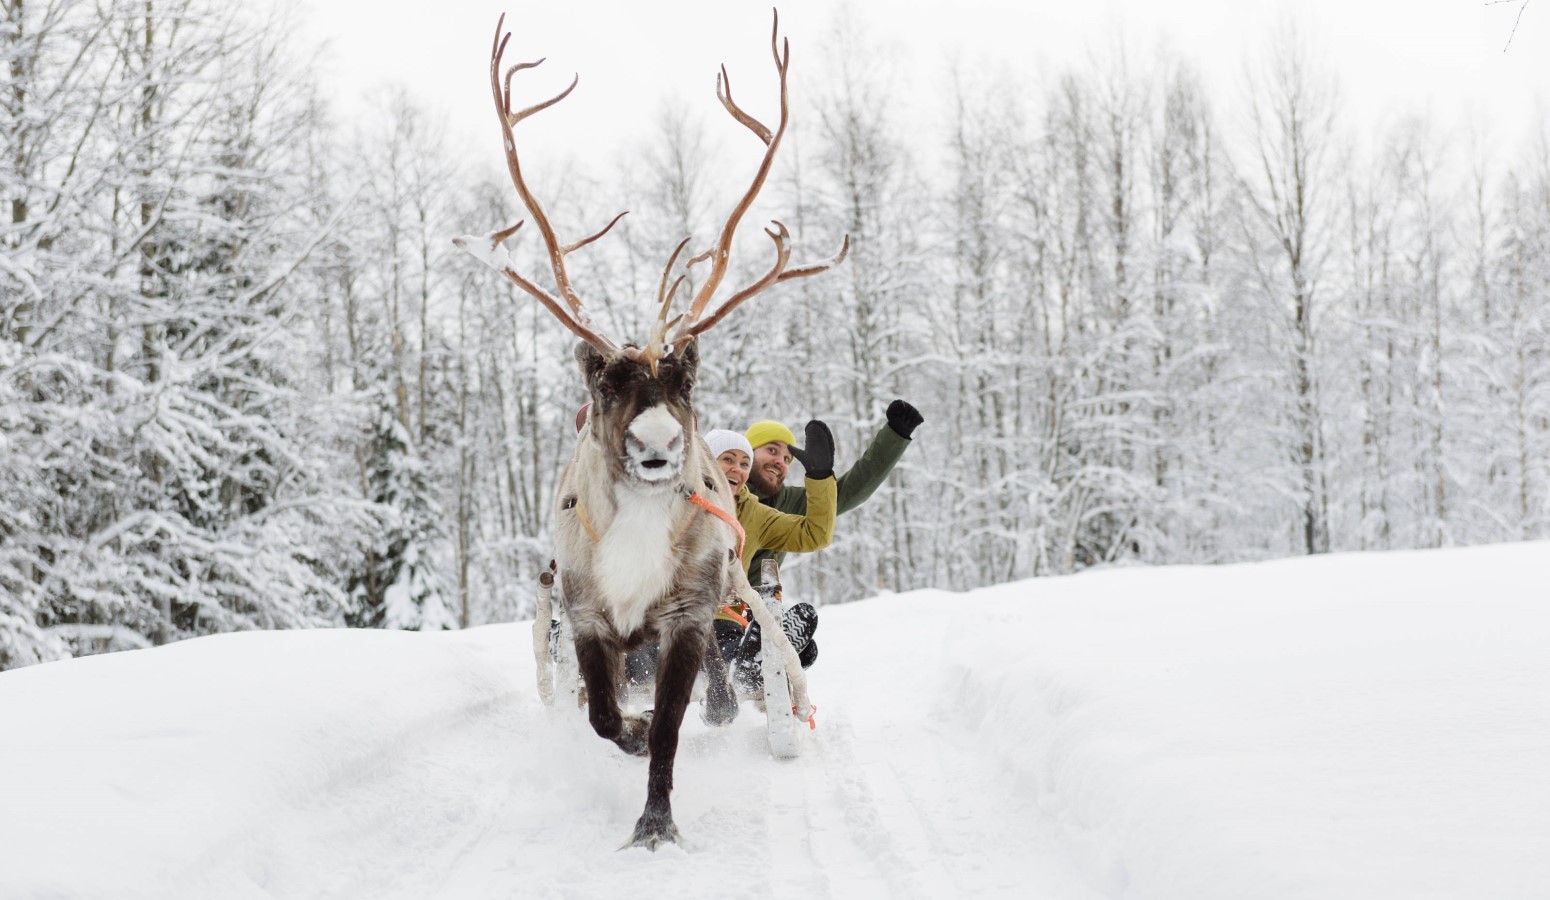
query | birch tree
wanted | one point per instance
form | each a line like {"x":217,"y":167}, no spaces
{"x":1288,"y":180}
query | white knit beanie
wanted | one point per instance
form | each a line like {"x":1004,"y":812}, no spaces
{"x":721,"y":440}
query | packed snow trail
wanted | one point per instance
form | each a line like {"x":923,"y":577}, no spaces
{"x":383,"y":764}
{"x":851,"y":817}
{"x":1345,"y":726}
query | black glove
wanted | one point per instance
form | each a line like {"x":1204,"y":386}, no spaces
{"x":817,"y":451}
{"x":903,"y":418}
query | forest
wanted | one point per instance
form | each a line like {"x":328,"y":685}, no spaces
{"x":248,"y":382}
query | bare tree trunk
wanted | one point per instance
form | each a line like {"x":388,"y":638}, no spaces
{"x":1521,"y":380}
{"x":150,"y":292}
{"x":425,"y":306}
{"x":396,"y":324}
{"x":15,"y":35}
{"x":1293,"y":118}
{"x":465,"y":459}
{"x":358,"y":379}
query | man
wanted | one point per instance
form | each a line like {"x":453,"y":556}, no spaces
{"x":774,"y":446}
{"x":772,"y":454}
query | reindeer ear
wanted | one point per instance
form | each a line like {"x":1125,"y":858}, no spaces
{"x":591,"y":362}
{"x":593,"y":366}
{"x":690,"y":354}
{"x":678,"y":371}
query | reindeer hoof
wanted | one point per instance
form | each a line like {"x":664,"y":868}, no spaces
{"x":652,"y":832}
{"x":633,"y":738}
{"x":717,"y":713}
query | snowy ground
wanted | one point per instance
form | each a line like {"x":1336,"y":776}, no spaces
{"x":1373,"y":726}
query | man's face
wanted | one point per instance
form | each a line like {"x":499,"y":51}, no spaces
{"x":735,"y":465}
{"x":771,"y":462}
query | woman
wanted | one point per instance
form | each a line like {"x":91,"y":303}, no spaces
{"x":769,"y":529}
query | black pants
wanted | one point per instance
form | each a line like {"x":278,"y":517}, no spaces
{"x":800,"y":623}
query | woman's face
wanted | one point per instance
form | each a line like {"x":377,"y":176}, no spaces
{"x":735,"y":465}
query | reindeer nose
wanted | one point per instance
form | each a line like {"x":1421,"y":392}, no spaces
{"x":655,"y":429}
{"x":635,"y":443}
{"x":655,"y":442}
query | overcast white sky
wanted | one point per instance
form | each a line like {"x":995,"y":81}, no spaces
{"x":1442,"y":55}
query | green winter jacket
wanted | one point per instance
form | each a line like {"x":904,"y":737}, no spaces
{"x":853,"y":488}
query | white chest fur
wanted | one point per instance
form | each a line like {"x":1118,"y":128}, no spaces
{"x":634,"y":556}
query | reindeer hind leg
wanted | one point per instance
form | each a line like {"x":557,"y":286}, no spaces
{"x":720,"y":702}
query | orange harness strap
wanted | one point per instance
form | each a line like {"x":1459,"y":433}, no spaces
{"x":585,"y":524}
{"x":732,"y":613}
{"x":737,"y":528}
{"x":693,"y":497}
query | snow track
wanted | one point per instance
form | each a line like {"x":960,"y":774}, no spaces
{"x":851,"y":817}
{"x":1345,"y":726}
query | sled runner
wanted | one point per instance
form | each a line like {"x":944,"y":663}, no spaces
{"x":554,"y":651}
{"x":781,"y":721}
{"x":782,"y":689}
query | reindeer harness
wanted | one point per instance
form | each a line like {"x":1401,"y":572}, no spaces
{"x":694,"y":497}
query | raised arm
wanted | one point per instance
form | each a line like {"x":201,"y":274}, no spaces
{"x":770,"y":529}
{"x":869,"y":472}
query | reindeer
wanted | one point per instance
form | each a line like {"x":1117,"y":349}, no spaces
{"x":646,"y":536}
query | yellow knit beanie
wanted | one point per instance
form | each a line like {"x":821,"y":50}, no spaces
{"x":764,"y":431}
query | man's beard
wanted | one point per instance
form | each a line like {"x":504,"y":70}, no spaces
{"x":762,"y":484}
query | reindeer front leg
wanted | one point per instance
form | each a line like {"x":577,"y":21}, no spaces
{"x":682,"y":650}
{"x":601,"y":663}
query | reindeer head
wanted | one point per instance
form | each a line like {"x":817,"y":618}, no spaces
{"x":667,"y":354}
{"x":643,"y":420}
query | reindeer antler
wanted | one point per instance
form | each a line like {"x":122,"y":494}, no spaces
{"x":690,"y":326}
{"x":571,"y":312}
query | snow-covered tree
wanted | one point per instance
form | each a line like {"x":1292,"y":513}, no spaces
{"x":1288,"y":178}
{"x":246,"y":381}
